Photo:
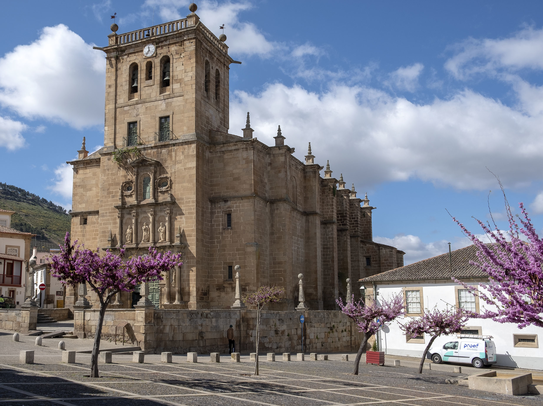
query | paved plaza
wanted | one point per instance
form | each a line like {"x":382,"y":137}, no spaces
{"x":50,"y":382}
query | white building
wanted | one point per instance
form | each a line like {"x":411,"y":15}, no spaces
{"x":427,"y":284}
{"x":14,"y":254}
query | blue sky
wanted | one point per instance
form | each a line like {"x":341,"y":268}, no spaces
{"x":413,"y":102}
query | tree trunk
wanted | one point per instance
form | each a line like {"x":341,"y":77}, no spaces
{"x":96,"y":347}
{"x":361,"y":351}
{"x":426,"y":352}
{"x":257,"y":338}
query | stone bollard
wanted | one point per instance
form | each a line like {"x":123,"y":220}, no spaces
{"x":38,"y":341}
{"x":300,"y":356}
{"x":138,"y":356}
{"x":396,"y":362}
{"x":26,"y":357}
{"x":457,"y":370}
{"x":286,"y":356}
{"x":429,"y":366}
{"x":235,"y":357}
{"x":16,"y":337}
{"x":68,"y":357}
{"x":270,"y":357}
{"x":323,"y":357}
{"x":61,"y":345}
{"x":345,"y":357}
{"x":215,"y":357}
{"x":166,"y":357}
{"x":313,"y":356}
{"x":192,"y":357}
{"x":253,"y":356}
{"x":107,"y":357}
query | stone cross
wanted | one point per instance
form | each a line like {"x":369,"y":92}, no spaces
{"x":349,"y":291}
{"x":82,"y":301}
{"x":301,"y":306}
{"x":238,"y":304}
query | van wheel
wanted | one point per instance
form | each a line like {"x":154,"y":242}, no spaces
{"x":478,"y":363}
{"x":436,"y":359}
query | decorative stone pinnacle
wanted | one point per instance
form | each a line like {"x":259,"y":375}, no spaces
{"x":366,"y":200}
{"x":353,"y":192}
{"x":248,"y":121}
{"x":83,"y":145}
{"x":341,"y":182}
{"x":279,"y":139}
{"x":247,"y":131}
{"x":327,"y":172}
{"x":82,"y":153}
{"x":309,"y":158}
{"x":193,"y":7}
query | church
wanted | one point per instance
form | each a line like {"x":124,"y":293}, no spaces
{"x":171,"y":176}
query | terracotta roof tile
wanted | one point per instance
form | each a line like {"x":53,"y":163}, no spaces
{"x":6,"y":211}
{"x":436,"y":268}
{"x":12,"y":231}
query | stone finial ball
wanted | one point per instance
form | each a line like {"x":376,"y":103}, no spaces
{"x":300,"y":275}
{"x":237,"y":267}
{"x":222,"y":38}
{"x":193,"y":7}
{"x":348,"y":280}
{"x":114,"y":27}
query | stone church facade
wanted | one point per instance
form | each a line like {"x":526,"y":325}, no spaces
{"x":171,"y":176}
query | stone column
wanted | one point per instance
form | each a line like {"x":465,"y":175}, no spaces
{"x":79,"y":311}
{"x":178,"y":298}
{"x":135,"y":234}
{"x":168,"y":212}
{"x":82,"y":301}
{"x":301,"y":306}
{"x":118,"y":300}
{"x":120,"y":235}
{"x":167,"y":295}
{"x":152,"y":228}
{"x":238,"y":304}
{"x":144,"y":292}
{"x":349,"y":291}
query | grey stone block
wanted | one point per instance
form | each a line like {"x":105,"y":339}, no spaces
{"x":313,"y":356}
{"x":286,"y":356}
{"x":192,"y":357}
{"x":38,"y":341}
{"x":166,"y":357}
{"x":215,"y":357}
{"x":271,"y":357}
{"x":16,"y":337}
{"x":300,"y":356}
{"x":253,"y":356}
{"x":138,"y":356}
{"x":61,"y":345}
{"x":323,"y":357}
{"x":457,"y":370}
{"x":345,"y":357}
{"x":107,"y":357}
{"x":396,"y":362}
{"x":235,"y":357}
{"x":68,"y":357}
{"x":26,"y":357}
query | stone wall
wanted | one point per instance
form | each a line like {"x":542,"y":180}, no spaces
{"x":59,"y":314}
{"x":21,"y":320}
{"x":204,"y":331}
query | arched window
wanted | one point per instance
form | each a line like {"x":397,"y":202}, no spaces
{"x":217,"y":84}
{"x":149,"y":70}
{"x":146,"y":187}
{"x":206,"y":79}
{"x":165,"y":71}
{"x":133,"y":85}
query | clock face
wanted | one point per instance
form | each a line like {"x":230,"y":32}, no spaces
{"x":149,"y":50}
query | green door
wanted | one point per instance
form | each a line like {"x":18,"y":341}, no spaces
{"x":154,"y":293}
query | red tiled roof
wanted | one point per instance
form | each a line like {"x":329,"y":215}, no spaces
{"x":12,"y":231}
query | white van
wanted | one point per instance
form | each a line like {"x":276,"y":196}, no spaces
{"x":478,"y":351}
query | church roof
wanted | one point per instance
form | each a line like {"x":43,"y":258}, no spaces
{"x":436,"y":268}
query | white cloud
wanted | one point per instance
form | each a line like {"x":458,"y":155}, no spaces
{"x":306,"y":49}
{"x":475,"y":56}
{"x":449,"y":142}
{"x":537,"y":204}
{"x":416,"y":250}
{"x":58,"y":77}
{"x":406,"y":78}
{"x":10,"y":134}
{"x":63,"y":185}
{"x":101,"y":10}
{"x":244,"y":38}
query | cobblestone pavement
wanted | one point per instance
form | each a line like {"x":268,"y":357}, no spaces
{"x":50,"y":382}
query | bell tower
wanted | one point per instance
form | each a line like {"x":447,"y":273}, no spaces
{"x":165,"y":82}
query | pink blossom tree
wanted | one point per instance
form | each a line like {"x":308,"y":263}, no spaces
{"x":514,"y":268}
{"x":370,"y":317}
{"x":435,"y":323}
{"x":108,"y":275}
{"x":258,"y":299}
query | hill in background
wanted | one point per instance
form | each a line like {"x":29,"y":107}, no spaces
{"x":34,"y":214}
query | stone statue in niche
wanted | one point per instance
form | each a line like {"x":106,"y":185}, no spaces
{"x":128,"y":236}
{"x":161,"y":233}
{"x":146,"y":235}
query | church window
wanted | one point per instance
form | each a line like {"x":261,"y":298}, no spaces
{"x":206,"y":79}
{"x":228,"y":220}
{"x":147,"y":187}
{"x":149,"y":70}
{"x":217,"y":84}
{"x":134,"y":78}
{"x":165,"y":71}
{"x":368,"y":261}
{"x":230,"y":273}
{"x":132,"y":136}
{"x":164,"y":129}
{"x":84,"y":220}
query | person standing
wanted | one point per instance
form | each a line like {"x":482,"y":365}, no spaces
{"x":231,"y":342}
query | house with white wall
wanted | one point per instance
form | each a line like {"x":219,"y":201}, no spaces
{"x":427,"y":284}
{"x":14,"y":254}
